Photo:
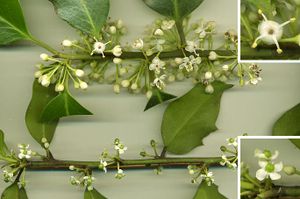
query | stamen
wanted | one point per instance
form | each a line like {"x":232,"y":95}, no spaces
{"x":262,"y":14}
{"x":279,"y":50}
{"x":254,"y":45}
{"x":287,"y":22}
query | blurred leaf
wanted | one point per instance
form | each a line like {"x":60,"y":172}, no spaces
{"x":190,"y":118}
{"x":208,"y":192}
{"x":41,"y":96}
{"x":3,"y":148}
{"x":61,"y":106}
{"x":265,"y":5}
{"x":86,"y":15}
{"x":93,"y":194}
{"x":14,"y":192}
{"x":289,"y":124}
{"x":12,"y":24}
{"x":176,"y":9}
{"x":158,"y":97}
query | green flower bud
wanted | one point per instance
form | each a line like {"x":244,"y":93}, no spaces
{"x":223,"y":148}
{"x":289,"y":170}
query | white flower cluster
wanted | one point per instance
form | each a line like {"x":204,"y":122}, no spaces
{"x":202,"y":173}
{"x":270,"y":32}
{"x":59,"y":72}
{"x":269,"y":169}
{"x":24,"y":152}
{"x":230,"y":161}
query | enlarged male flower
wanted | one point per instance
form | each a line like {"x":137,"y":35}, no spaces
{"x":159,"y":82}
{"x":269,"y":169}
{"x":270,"y":31}
{"x":157,"y":65}
{"x":67,"y":43}
{"x":25,"y":152}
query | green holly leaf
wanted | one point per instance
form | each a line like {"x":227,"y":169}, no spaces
{"x":12,"y":23}
{"x":208,"y":192}
{"x":93,"y":194}
{"x":176,"y":9}
{"x":86,"y":15}
{"x":41,"y":96}
{"x":289,"y":124}
{"x":61,"y":106}
{"x":3,"y":148}
{"x":190,"y":118}
{"x":265,"y":5}
{"x":14,"y":192}
{"x":158,"y":97}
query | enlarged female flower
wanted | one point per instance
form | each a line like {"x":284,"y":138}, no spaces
{"x":270,"y":31}
{"x":157,"y":65}
{"x":269,"y":169}
{"x":159,"y":82}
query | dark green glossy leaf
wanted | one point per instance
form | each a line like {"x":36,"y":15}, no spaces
{"x":296,"y":142}
{"x":93,"y":194}
{"x":158,"y":97}
{"x":41,"y":96}
{"x":191,"y":117}
{"x":12,"y":24}
{"x":289,"y":124}
{"x":176,"y":9}
{"x":3,"y":148}
{"x":61,"y":106}
{"x":14,"y":192}
{"x":86,"y":15}
{"x":208,"y":192}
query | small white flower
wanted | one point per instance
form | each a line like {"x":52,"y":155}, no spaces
{"x":167,"y":25}
{"x":74,"y":181}
{"x":192,"y":46}
{"x":103,"y":164}
{"x":67,"y":43}
{"x":44,"y":80}
{"x":225,"y":67}
{"x":232,"y":142}
{"x":208,"y":75}
{"x":159,"y":82}
{"x":208,"y":177}
{"x":117,"y":51}
{"x":125,"y":83}
{"x":25,"y":152}
{"x":209,"y":89}
{"x":120,"y":148}
{"x":270,"y":31}
{"x":190,"y":63}
{"x":116,"y":88}
{"x":157,"y":65}
{"x":212,"y":55}
{"x":117,"y":60}
{"x":44,"y":57}
{"x":79,"y":72}
{"x":120,"y":174}
{"x":158,"y":32}
{"x":201,"y":31}
{"x":8,"y":176}
{"x":253,"y":80}
{"x":99,"y":48}
{"x":138,"y":44}
{"x":83,"y":85}
{"x":112,"y":29}
{"x":268,"y":169}
{"x":266,"y":154}
{"x":71,"y":167}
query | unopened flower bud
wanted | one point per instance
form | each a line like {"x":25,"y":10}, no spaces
{"x":209,"y":89}
{"x":134,"y":86}
{"x":125,"y":83}
{"x":289,"y":170}
{"x":79,"y":72}
{"x":112,"y":29}
{"x":117,"y":60}
{"x":67,"y":43}
{"x":44,"y":56}
{"x":117,"y":88}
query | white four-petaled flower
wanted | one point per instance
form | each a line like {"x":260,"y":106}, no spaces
{"x":269,"y":169}
{"x":157,"y":65}
{"x":159,"y":82}
{"x":25,"y":152}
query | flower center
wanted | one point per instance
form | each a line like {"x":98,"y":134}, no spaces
{"x":271,"y":31}
{"x":267,"y":153}
{"x":270,"y":168}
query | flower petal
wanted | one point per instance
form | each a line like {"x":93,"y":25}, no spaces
{"x":275,"y":155}
{"x":262,"y":163}
{"x":278,"y":167}
{"x":275,"y":176}
{"x":261,"y":174}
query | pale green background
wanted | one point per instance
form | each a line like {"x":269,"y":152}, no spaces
{"x":250,"y":110}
